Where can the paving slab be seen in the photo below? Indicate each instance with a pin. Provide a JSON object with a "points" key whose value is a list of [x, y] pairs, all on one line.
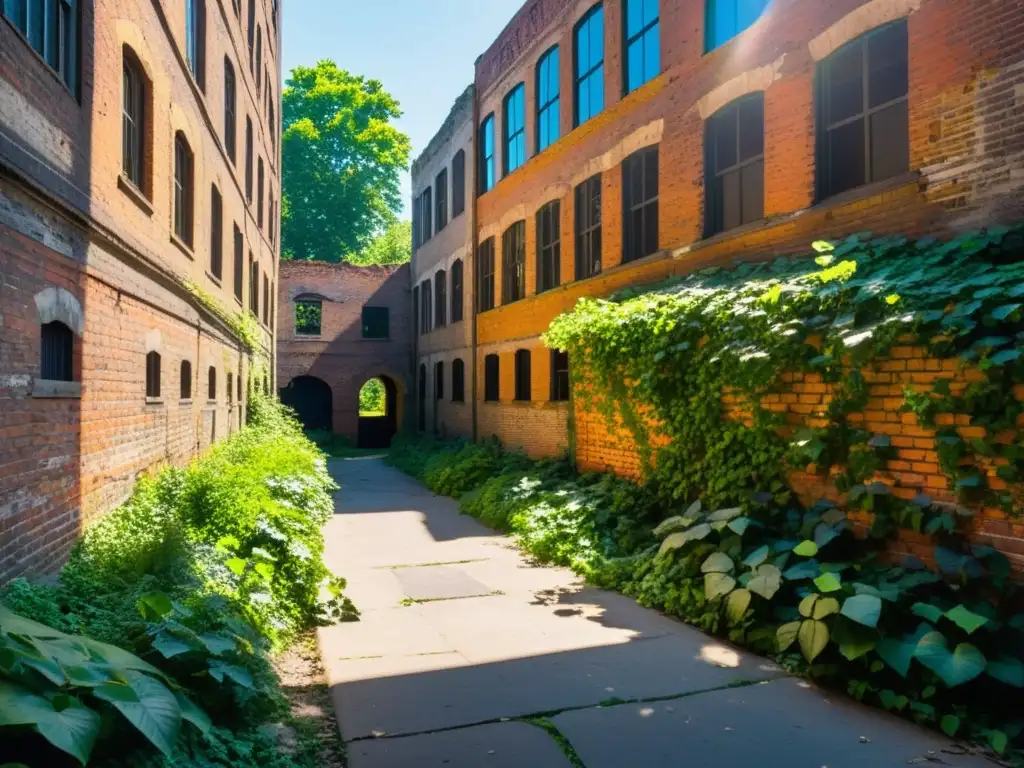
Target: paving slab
{"points": [[497, 745], [439, 582], [782, 723]]}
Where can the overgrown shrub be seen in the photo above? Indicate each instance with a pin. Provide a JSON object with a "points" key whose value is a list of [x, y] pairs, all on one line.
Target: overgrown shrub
{"points": [[169, 608]]}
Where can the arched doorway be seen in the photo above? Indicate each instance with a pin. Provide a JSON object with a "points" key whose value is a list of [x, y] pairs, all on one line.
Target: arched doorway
{"points": [[312, 400], [378, 413]]}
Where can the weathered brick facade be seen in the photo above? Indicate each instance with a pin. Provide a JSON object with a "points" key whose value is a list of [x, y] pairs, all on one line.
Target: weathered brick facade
{"points": [[339, 355], [81, 245]]}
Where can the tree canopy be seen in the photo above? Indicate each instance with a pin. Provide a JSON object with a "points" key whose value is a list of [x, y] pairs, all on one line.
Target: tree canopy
{"points": [[341, 158], [393, 246]]}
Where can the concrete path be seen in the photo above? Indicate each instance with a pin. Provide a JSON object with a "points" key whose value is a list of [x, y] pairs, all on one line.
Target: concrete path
{"points": [[467, 655]]}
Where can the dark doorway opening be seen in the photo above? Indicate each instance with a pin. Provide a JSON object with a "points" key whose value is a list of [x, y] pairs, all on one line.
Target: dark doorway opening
{"points": [[421, 400], [312, 401], [378, 413]]}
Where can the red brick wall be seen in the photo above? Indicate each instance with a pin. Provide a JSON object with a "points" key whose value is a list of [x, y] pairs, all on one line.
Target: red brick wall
{"points": [[966, 139], [340, 356]]}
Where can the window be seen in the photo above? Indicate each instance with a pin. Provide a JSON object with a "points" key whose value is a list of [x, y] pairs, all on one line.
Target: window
{"points": [[186, 380], [863, 124], [254, 286], [485, 276], [416, 310], [440, 299], [230, 109], [427, 215], [259, 193], [266, 299], [485, 173], [427, 310], [734, 176], [589, 75], [439, 380], [259, 58], [248, 159], [273, 125], [183, 191], [230, 389], [195, 39], [727, 18], [548, 100], [153, 374], [515, 129], [239, 263], [491, 388], [251, 30], [643, 44], [522, 375], [211, 384], [588, 228], [458, 183], [457, 291], [56, 348], [133, 120], [441, 190], [376, 323], [216, 232], [51, 27], [549, 250], [239, 388], [559, 375], [640, 204], [417, 240], [458, 381], [513, 263]]}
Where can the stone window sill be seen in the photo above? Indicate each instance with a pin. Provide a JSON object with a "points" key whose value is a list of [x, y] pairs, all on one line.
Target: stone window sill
{"points": [[154, 400], [135, 194], [51, 389], [213, 278], [183, 246], [185, 401]]}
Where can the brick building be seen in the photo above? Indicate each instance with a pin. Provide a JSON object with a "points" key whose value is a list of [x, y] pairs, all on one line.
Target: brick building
{"points": [[339, 327], [139, 207], [443, 291], [626, 141]]}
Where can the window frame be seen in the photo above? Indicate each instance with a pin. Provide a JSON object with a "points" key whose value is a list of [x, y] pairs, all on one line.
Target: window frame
{"points": [[713, 41], [248, 159], [549, 251], [230, 110], [630, 208], [56, 39], [486, 175], [561, 387], [184, 190], [579, 79], [368, 323], [441, 200], [458, 290], [306, 328], [485, 269], [134, 168], [458, 380], [438, 381], [513, 263], [715, 204], [492, 378], [588, 232], [260, 180], [56, 352], [153, 375], [440, 299], [523, 376], [427, 306], [239, 265], [185, 380], [548, 106], [195, 40], [216, 233], [458, 184], [513, 110], [211, 384], [639, 38]]}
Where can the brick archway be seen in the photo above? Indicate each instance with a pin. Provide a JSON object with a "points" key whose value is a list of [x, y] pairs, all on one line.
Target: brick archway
{"points": [[377, 432], [312, 400]]}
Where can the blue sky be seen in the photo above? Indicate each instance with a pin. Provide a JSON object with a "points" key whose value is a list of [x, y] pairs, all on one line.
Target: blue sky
{"points": [[421, 50]]}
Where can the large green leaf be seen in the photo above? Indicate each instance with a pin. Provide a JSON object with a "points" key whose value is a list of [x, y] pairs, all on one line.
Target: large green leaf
{"points": [[62, 721], [961, 666], [854, 640], [863, 609], [950, 724], [154, 606], [967, 620], [148, 705], [169, 646], [219, 670], [718, 562], [806, 549], [926, 611], [117, 658], [736, 605], [813, 637], [676, 540], [766, 582], [218, 644], [757, 557], [725, 515], [193, 714], [718, 584], [786, 635], [809, 569], [670, 525], [828, 582], [12, 623], [1006, 669]]}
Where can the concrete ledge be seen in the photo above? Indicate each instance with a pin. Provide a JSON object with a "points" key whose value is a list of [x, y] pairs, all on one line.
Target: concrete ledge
{"points": [[48, 388]]}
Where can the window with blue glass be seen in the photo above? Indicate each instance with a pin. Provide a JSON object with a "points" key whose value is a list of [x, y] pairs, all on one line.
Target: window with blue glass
{"points": [[548, 101], [486, 159], [515, 129], [643, 44], [727, 18], [589, 74], [51, 27]]}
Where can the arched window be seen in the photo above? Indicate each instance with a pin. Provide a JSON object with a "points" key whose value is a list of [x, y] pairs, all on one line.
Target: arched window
{"points": [[458, 181], [134, 100], [522, 375], [248, 159], [216, 232], [186, 380], [153, 374], [56, 352], [183, 190], [251, 30], [549, 245], [485, 152], [548, 100], [259, 193], [308, 315], [439, 380], [230, 109], [513, 263], [259, 58], [734, 170], [440, 299], [458, 381], [211, 385], [195, 39], [457, 291]]}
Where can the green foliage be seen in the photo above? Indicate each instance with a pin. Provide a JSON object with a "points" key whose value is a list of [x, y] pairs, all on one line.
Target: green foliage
{"points": [[168, 609], [341, 158], [392, 246], [372, 398]]}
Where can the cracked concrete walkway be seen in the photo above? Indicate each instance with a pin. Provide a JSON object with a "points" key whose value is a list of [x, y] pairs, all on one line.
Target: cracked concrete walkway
{"points": [[468, 656]]}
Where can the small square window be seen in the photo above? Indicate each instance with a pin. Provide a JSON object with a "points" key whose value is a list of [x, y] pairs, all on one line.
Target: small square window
{"points": [[375, 323]]}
